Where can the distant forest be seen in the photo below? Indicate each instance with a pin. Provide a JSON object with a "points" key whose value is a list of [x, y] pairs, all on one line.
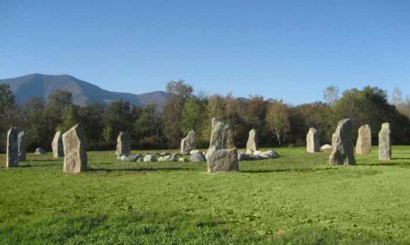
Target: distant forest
{"points": [[162, 127]]}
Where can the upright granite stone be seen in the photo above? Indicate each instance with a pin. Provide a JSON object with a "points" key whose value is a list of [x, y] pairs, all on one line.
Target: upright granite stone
{"points": [[188, 143], [22, 146], [252, 143], [57, 145], [342, 145], [12, 148], [312, 141], [364, 140], [123, 144], [334, 139], [222, 155], [75, 156], [385, 143]]}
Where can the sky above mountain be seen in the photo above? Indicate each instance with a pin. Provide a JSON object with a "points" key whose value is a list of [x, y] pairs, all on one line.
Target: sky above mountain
{"points": [[288, 50]]}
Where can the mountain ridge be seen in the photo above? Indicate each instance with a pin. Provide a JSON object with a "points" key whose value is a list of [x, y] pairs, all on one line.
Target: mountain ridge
{"points": [[84, 93]]}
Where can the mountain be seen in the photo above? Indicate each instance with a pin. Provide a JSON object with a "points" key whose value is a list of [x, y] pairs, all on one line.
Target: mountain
{"points": [[84, 93]]}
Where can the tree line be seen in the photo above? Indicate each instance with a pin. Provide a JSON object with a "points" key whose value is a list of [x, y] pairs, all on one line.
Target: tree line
{"points": [[163, 126]]}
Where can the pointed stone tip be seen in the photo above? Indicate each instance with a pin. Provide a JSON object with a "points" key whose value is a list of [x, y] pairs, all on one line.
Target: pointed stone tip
{"points": [[312, 130]]}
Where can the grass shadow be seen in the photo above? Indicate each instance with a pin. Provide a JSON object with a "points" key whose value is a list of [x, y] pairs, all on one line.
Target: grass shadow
{"points": [[127, 227]]}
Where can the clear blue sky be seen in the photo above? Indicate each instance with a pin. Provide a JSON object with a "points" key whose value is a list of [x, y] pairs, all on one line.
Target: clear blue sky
{"points": [[288, 50]]}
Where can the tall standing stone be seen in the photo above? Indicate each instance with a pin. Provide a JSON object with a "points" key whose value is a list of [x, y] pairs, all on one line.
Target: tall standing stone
{"points": [[12, 148], [342, 144], [364, 140], [252, 143], [384, 143], [57, 145], [75, 156], [123, 144], [312, 141], [334, 139], [188, 143], [222, 155], [22, 146]]}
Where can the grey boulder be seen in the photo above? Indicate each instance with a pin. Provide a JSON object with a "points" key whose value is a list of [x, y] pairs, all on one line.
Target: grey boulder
{"points": [[40, 151], [198, 157], [149, 158]]}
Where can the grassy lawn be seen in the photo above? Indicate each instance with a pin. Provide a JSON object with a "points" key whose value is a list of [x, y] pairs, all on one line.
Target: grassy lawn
{"points": [[296, 199]]}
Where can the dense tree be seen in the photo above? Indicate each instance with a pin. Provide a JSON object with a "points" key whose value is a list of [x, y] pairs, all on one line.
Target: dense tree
{"points": [[57, 106], [91, 118], [317, 115], [277, 118], [216, 107], [179, 93], [6, 98], [148, 127], [162, 126], [117, 115], [8, 113], [193, 115], [236, 111], [107, 134], [255, 115], [39, 130], [370, 106], [68, 119]]}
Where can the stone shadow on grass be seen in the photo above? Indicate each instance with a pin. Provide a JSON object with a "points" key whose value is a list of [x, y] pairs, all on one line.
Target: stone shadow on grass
{"points": [[44, 160], [39, 164], [390, 164], [286, 170], [28, 165], [143, 169]]}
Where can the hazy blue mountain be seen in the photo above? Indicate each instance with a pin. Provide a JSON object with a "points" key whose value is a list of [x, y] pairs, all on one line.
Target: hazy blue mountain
{"points": [[84, 93]]}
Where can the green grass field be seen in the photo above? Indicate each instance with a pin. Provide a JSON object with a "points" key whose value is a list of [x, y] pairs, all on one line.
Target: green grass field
{"points": [[296, 199]]}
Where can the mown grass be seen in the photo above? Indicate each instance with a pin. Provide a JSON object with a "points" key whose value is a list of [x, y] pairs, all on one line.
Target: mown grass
{"points": [[296, 199]]}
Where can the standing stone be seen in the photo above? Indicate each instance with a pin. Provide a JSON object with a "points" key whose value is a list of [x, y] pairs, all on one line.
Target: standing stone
{"points": [[385, 143], [123, 144], [12, 148], [312, 141], [57, 145], [75, 156], [252, 143], [222, 155], [334, 139], [364, 140], [188, 143], [342, 145], [22, 146]]}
